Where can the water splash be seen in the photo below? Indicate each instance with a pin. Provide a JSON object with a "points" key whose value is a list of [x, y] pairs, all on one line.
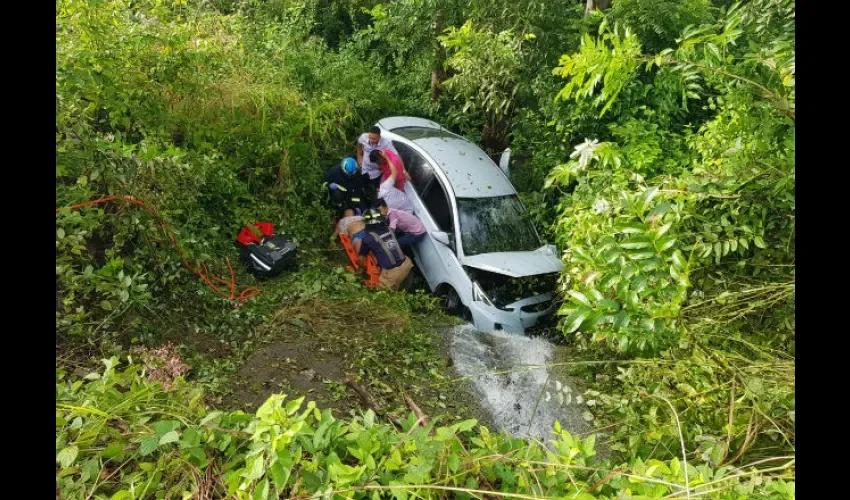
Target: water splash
{"points": [[526, 402]]}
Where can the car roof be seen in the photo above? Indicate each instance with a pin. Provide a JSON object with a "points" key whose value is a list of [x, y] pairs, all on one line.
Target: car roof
{"points": [[471, 173]]}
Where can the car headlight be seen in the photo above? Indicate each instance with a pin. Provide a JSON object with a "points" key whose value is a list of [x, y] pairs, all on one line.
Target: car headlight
{"points": [[479, 295]]}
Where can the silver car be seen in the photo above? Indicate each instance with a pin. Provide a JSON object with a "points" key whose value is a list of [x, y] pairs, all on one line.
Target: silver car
{"points": [[481, 253]]}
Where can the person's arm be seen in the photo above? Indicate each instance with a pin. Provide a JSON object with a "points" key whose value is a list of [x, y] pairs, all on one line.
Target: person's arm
{"points": [[393, 218], [400, 160], [336, 231], [359, 153], [393, 169]]}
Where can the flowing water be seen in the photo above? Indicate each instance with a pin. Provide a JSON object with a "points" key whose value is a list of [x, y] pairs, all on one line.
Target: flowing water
{"points": [[523, 400]]}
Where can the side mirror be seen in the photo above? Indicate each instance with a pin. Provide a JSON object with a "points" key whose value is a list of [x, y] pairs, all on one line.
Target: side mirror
{"points": [[442, 237], [504, 160]]}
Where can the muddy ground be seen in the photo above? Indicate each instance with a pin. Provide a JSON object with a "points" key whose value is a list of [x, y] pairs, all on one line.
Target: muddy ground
{"points": [[309, 350]]}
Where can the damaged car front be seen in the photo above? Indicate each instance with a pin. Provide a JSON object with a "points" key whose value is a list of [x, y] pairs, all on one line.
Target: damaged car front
{"points": [[509, 303], [513, 274]]}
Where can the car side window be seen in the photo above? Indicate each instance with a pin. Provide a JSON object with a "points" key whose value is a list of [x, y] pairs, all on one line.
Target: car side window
{"points": [[437, 203], [421, 172]]}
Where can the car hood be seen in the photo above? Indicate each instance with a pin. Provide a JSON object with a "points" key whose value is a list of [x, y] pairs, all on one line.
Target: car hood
{"points": [[517, 264]]}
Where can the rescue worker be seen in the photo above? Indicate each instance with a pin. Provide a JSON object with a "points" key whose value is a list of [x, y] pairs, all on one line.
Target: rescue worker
{"points": [[378, 239], [345, 187]]}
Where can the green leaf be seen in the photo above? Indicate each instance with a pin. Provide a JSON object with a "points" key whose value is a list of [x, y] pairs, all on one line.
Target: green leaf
{"points": [[675, 467], [163, 427], [744, 243], [659, 210], [466, 425], [675, 274], [636, 242], [294, 405], [112, 450], [649, 194], [663, 229], [280, 474], [632, 299], [642, 255], [665, 243], [121, 495], [261, 492], [210, 416], [609, 305], [639, 284], [609, 281], [759, 242], [679, 259], [596, 294], [255, 468], [631, 227], [575, 319], [650, 265], [148, 444], [580, 297], [169, 437], [454, 463], [67, 456]]}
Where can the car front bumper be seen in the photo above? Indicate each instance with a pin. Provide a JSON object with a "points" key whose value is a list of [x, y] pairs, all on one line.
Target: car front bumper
{"points": [[525, 314]]}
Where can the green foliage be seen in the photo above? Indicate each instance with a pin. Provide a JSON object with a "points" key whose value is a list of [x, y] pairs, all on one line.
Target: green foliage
{"points": [[681, 242], [486, 68], [658, 23], [120, 436], [210, 119], [610, 59]]}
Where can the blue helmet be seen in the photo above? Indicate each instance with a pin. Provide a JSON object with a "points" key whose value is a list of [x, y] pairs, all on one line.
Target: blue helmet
{"points": [[349, 165]]}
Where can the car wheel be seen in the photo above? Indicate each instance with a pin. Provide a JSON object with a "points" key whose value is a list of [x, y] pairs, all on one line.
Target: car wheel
{"points": [[452, 304], [451, 301]]}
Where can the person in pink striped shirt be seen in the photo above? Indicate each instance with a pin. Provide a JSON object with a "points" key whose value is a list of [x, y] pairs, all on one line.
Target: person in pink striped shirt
{"points": [[406, 226], [382, 158]]}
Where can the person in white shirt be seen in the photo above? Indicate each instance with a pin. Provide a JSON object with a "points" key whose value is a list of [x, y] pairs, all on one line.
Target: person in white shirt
{"points": [[366, 143], [392, 196]]}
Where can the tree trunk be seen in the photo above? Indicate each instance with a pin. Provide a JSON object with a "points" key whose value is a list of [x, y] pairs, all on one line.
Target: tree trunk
{"points": [[437, 74], [592, 5]]}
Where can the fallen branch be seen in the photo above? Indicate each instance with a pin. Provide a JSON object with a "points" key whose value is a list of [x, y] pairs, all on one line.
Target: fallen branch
{"points": [[370, 401], [416, 410], [605, 479]]}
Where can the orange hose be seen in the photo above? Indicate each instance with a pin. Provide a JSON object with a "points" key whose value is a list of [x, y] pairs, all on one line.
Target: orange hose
{"points": [[247, 293]]}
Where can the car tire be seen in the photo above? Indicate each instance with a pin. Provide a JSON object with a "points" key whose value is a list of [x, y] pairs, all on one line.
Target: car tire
{"points": [[451, 302]]}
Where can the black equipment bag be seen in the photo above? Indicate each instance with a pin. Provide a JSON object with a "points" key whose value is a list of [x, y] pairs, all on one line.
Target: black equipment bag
{"points": [[269, 258]]}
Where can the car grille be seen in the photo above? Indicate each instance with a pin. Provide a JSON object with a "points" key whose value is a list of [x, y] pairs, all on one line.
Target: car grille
{"points": [[536, 308]]}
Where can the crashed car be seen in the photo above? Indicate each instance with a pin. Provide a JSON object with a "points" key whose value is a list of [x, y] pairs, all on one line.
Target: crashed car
{"points": [[481, 254]]}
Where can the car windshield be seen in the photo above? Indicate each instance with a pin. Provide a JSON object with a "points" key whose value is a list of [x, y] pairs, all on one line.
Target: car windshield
{"points": [[498, 224]]}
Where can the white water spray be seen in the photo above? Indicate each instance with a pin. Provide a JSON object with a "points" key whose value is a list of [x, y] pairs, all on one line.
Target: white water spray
{"points": [[523, 400]]}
